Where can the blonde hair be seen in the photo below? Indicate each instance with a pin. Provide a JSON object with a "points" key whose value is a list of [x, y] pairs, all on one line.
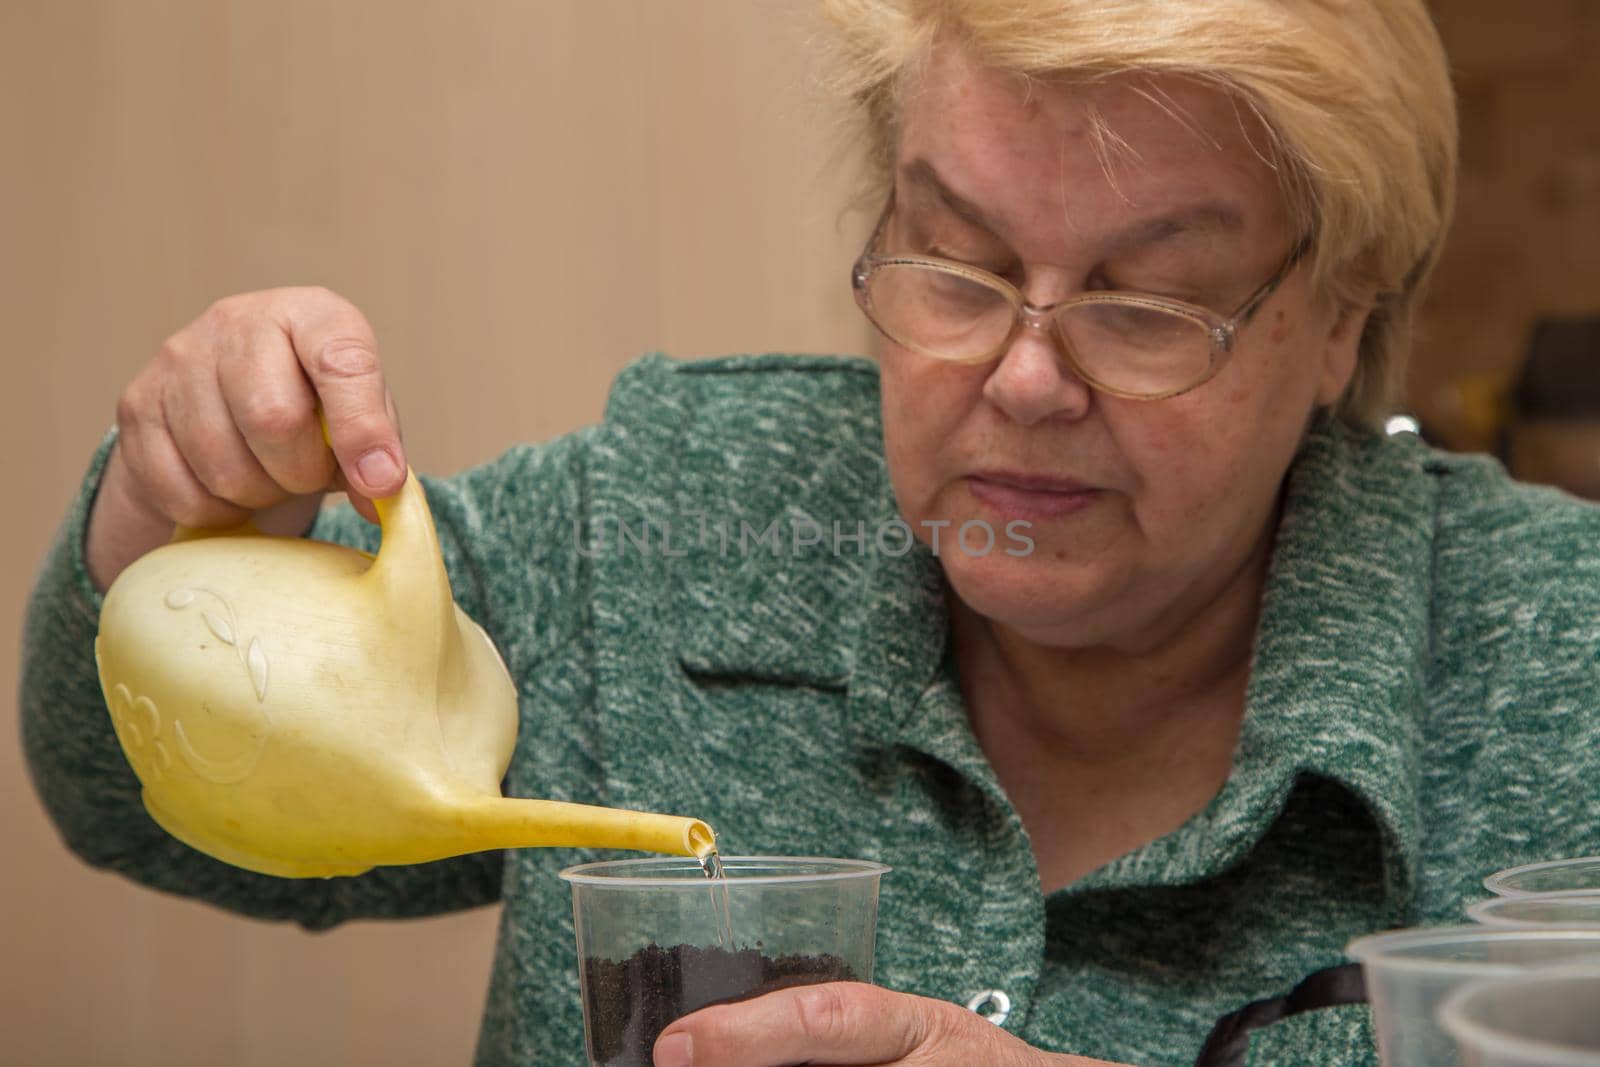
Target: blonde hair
{"points": [[1355, 95]]}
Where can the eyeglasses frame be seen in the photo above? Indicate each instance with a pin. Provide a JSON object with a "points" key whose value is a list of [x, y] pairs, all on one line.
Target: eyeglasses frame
{"points": [[1222, 329]]}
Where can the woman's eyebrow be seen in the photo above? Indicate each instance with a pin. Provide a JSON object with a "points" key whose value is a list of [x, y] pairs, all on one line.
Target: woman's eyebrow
{"points": [[920, 172], [1204, 217]]}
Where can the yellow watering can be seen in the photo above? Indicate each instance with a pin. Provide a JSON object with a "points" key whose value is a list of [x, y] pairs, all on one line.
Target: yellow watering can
{"points": [[303, 709]]}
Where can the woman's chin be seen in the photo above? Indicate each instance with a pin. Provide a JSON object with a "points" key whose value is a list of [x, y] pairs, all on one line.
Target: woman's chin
{"points": [[1049, 601]]}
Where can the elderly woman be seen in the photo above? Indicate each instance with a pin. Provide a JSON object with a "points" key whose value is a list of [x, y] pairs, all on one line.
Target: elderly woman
{"points": [[1189, 676]]}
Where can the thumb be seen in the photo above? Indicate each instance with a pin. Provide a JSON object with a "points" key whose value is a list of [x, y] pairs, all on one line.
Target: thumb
{"points": [[339, 354]]}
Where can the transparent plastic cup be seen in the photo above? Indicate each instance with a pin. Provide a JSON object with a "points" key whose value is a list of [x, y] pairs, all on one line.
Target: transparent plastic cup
{"points": [[657, 939], [1410, 972], [1545, 1018], [1580, 874], [1557, 910]]}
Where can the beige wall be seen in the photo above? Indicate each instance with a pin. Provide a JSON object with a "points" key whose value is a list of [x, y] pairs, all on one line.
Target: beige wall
{"points": [[522, 196]]}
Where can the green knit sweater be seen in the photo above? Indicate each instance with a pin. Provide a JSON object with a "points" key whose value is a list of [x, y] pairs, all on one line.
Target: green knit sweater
{"points": [[1421, 712]]}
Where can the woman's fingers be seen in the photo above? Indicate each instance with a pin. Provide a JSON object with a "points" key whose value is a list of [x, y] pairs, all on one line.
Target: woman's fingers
{"points": [[832, 1023], [167, 484], [269, 399], [843, 1023], [226, 417], [337, 351], [199, 424], [222, 423]]}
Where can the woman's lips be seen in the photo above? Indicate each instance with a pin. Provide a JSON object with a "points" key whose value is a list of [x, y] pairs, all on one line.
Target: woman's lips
{"points": [[1021, 496]]}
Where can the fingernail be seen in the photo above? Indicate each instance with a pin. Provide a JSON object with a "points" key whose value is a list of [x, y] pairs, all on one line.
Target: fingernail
{"points": [[378, 469], [675, 1050]]}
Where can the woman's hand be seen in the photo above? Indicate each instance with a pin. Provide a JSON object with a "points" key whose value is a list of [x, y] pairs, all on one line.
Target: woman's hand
{"points": [[222, 425], [845, 1023]]}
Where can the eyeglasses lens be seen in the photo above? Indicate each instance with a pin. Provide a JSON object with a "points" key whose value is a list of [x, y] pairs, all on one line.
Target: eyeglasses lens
{"points": [[1130, 348]]}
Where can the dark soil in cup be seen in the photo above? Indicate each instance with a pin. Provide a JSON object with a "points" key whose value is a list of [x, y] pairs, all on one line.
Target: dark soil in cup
{"points": [[631, 1002]]}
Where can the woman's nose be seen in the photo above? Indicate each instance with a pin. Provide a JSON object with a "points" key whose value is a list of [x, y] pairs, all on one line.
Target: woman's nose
{"points": [[1032, 380]]}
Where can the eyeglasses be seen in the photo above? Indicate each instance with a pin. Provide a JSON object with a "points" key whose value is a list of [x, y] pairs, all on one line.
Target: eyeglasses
{"points": [[1126, 344]]}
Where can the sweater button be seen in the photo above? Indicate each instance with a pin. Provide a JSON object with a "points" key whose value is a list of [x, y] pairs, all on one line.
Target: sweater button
{"points": [[997, 1003]]}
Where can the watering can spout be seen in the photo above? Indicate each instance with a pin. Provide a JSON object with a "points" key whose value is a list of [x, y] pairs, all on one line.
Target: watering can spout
{"points": [[514, 823], [303, 709]]}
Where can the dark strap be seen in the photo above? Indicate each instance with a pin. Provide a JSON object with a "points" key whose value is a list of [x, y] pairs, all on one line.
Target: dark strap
{"points": [[1230, 1038]]}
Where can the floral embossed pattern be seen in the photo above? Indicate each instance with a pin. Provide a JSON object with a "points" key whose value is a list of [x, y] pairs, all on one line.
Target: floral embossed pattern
{"points": [[138, 724]]}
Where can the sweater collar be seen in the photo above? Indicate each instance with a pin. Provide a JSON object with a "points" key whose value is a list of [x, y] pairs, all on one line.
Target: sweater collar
{"points": [[1338, 673], [1345, 639]]}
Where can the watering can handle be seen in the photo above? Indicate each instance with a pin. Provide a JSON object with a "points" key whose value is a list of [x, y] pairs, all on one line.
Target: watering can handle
{"points": [[408, 566]]}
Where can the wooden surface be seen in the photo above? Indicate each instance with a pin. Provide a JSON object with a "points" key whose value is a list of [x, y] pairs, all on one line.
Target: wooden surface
{"points": [[523, 196]]}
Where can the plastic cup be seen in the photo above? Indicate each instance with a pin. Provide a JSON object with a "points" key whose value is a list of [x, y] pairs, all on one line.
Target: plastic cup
{"points": [[1557, 910], [1410, 972], [1545, 1018], [1580, 874], [657, 939]]}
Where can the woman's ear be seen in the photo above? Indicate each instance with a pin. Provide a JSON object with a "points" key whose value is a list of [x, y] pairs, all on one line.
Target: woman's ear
{"points": [[1341, 349]]}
